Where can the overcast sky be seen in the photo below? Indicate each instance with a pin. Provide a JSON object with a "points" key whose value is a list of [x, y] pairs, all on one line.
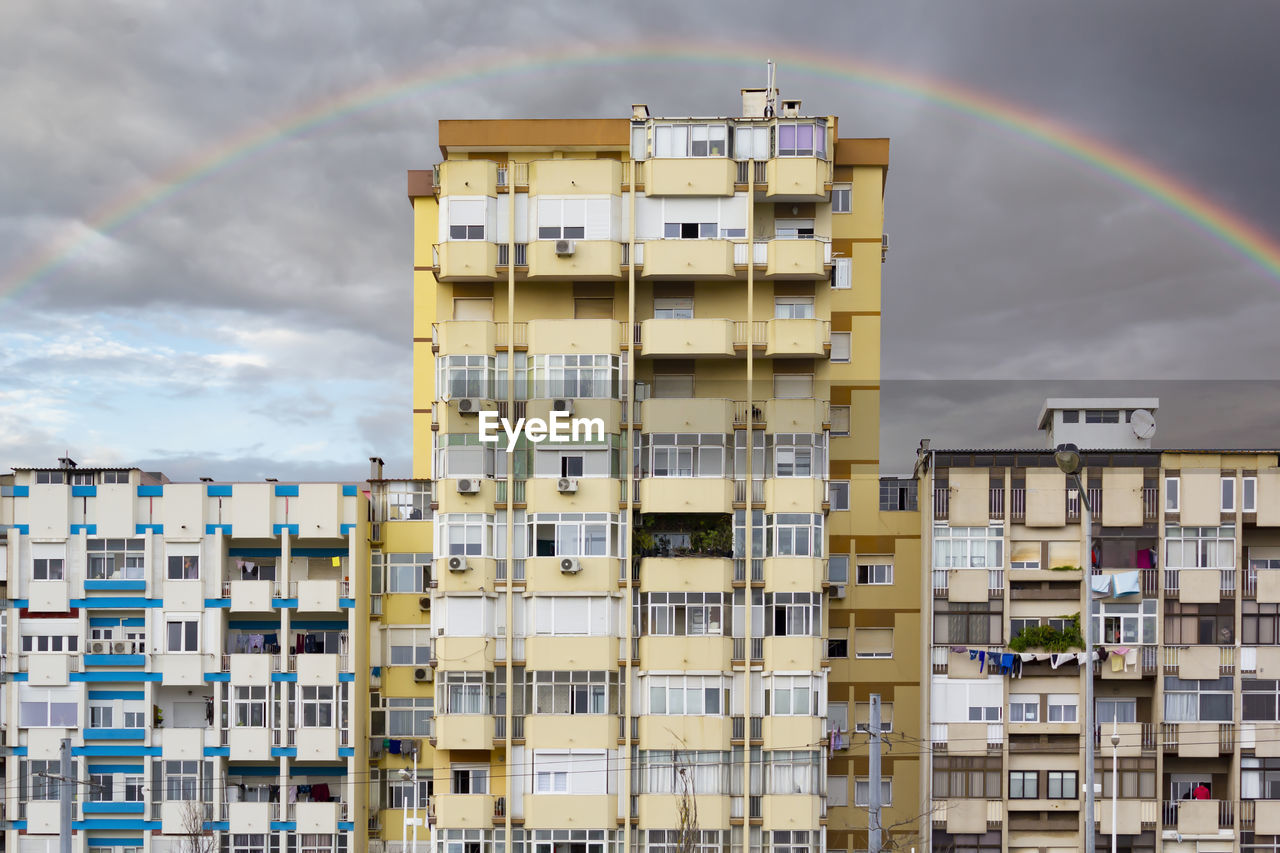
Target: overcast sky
{"points": [[256, 322]]}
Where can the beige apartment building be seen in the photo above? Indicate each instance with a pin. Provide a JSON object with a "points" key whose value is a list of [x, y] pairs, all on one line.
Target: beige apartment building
{"points": [[1179, 584], [667, 637]]}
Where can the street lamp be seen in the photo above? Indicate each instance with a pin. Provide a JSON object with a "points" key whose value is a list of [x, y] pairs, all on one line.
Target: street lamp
{"points": [[1115, 772], [412, 777], [1067, 457]]}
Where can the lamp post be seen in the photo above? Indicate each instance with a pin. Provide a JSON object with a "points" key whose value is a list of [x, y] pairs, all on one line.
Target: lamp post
{"points": [[1115, 774], [414, 821], [1067, 457]]}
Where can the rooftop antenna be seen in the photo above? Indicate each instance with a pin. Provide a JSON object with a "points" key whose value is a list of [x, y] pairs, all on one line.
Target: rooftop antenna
{"points": [[770, 89]]}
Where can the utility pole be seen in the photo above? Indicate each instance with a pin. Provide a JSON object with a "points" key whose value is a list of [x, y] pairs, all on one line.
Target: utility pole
{"points": [[66, 790], [873, 794]]}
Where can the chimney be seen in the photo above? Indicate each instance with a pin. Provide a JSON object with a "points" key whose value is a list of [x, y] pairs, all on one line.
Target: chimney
{"points": [[375, 467], [66, 462], [753, 103], [639, 112]]}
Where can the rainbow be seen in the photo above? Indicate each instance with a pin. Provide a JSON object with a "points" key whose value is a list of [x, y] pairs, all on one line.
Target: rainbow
{"points": [[1192, 205]]}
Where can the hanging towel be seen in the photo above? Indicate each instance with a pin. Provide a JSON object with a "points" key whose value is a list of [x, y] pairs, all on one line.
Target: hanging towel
{"points": [[982, 657], [1006, 661], [310, 646], [1120, 650], [271, 639], [1101, 585], [256, 644], [320, 793], [1056, 661], [300, 640], [1041, 656], [1117, 663], [1128, 583], [1131, 659], [274, 794], [1095, 555], [1027, 656], [960, 650], [293, 793], [1143, 560], [973, 654]]}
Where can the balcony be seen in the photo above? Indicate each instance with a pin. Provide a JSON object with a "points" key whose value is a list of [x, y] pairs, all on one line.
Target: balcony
{"points": [[464, 731], [555, 811], [253, 818], [783, 415], [467, 177], [684, 535], [687, 338], [686, 494], [467, 260], [321, 595], [1199, 662], [688, 259], [590, 260], [600, 176], [691, 654], [1132, 816], [702, 176], [1135, 738], [798, 179], [1200, 586], [1260, 816], [1197, 740], [318, 817], [465, 337], [967, 817], [1198, 817], [465, 811], [799, 338], [798, 260], [967, 738]]}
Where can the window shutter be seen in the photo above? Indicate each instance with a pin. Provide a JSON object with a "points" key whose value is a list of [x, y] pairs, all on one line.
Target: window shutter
{"points": [[598, 220], [868, 641], [843, 273], [841, 346]]}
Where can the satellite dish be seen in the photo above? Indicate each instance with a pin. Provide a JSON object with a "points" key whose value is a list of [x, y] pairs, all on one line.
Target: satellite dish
{"points": [[1143, 424]]}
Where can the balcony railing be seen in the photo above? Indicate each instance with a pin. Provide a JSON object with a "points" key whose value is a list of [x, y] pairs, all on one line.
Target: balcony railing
{"points": [[275, 663], [1226, 659], [1226, 582], [941, 502], [757, 250], [995, 582], [1018, 504], [1226, 813], [344, 587], [518, 492], [995, 500], [1102, 733], [740, 491], [755, 333], [273, 809], [940, 736], [503, 338], [227, 581], [522, 254], [742, 410], [1171, 736], [1150, 506], [292, 810], [740, 570], [517, 570], [1095, 502], [1073, 504]]}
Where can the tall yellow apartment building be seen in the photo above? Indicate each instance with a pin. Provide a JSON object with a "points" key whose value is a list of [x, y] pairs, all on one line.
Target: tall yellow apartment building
{"points": [[612, 632]]}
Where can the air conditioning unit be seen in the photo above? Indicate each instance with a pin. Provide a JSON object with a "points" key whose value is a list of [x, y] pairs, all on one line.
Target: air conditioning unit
{"points": [[458, 563], [469, 405], [562, 405], [837, 590], [468, 487], [424, 603], [564, 247], [567, 485], [570, 565], [98, 647], [421, 674], [642, 391], [120, 647]]}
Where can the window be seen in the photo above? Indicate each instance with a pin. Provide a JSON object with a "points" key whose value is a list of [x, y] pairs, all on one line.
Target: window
{"points": [[181, 780], [1130, 624], [574, 692], [1171, 494], [410, 646], [472, 308], [840, 421], [316, 701], [183, 635], [249, 706], [841, 198], [862, 716], [873, 642], [101, 787], [408, 572], [837, 790], [1193, 701], [1024, 784], [792, 841], [968, 547], [570, 771], [682, 455], [100, 716], [571, 465], [842, 273], [1117, 710], [956, 623], [673, 308], [257, 569], [115, 558], [791, 696], [464, 375], [791, 771], [1204, 624], [401, 795], [1024, 708], [48, 569], [1102, 416], [562, 218], [34, 782], [793, 614], [793, 461], [1062, 785], [862, 791], [690, 140], [802, 139], [593, 308], [838, 495], [976, 778], [682, 614], [1071, 416], [1228, 494], [841, 347], [572, 615], [1200, 547], [410, 717], [875, 572], [793, 229], [1017, 626], [573, 534], [466, 218], [690, 230], [794, 534], [184, 568], [1260, 625], [470, 780], [793, 307], [838, 568], [706, 771], [752, 141], [1259, 778], [465, 533], [57, 643], [1249, 494], [896, 494], [838, 643], [1063, 707], [50, 478], [582, 376], [666, 385]]}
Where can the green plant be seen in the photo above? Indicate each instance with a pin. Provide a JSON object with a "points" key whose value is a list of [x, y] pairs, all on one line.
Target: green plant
{"points": [[1048, 638]]}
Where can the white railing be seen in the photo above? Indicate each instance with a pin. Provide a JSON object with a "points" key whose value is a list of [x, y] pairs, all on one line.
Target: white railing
{"points": [[995, 582]]}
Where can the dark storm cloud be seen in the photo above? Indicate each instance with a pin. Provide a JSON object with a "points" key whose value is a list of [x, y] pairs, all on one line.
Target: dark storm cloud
{"points": [[1008, 260]]}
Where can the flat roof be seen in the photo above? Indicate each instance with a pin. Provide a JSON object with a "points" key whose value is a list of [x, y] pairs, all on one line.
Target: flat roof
{"points": [[1053, 404]]}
